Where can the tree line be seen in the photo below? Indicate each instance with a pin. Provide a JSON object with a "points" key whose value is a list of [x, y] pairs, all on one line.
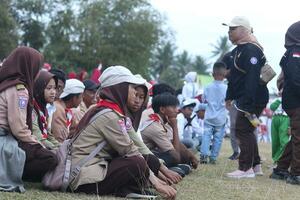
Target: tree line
{"points": [[74, 34]]}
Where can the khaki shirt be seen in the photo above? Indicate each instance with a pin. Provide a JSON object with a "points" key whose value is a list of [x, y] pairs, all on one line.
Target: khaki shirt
{"points": [[49, 142], [158, 136], [13, 112], [59, 122], [110, 127], [79, 111]]}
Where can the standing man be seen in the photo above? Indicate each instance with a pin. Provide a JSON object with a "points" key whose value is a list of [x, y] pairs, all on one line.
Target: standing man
{"points": [[249, 95], [290, 64]]}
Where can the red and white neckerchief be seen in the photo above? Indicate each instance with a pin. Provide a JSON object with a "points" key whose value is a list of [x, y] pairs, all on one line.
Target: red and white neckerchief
{"points": [[43, 120], [69, 116], [154, 117]]}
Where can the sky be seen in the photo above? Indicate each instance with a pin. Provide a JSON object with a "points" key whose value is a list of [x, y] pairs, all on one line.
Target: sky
{"points": [[197, 24]]}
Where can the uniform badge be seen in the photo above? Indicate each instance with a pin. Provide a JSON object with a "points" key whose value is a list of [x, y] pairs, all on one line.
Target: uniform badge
{"points": [[122, 126], [23, 102], [128, 123], [253, 60], [296, 55]]}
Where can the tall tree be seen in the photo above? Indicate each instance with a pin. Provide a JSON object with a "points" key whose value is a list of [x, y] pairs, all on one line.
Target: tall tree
{"points": [[8, 30], [29, 14], [183, 63], [118, 32], [61, 49], [200, 65], [222, 46], [163, 59]]}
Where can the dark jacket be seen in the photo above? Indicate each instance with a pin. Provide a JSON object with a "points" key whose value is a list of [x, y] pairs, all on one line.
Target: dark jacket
{"points": [[290, 64], [244, 85]]}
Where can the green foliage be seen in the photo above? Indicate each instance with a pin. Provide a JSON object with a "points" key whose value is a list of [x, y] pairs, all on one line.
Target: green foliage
{"points": [[76, 34], [221, 48], [8, 30], [120, 32]]}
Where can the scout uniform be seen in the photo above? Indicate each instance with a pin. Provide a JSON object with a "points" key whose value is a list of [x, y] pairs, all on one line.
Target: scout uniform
{"points": [[157, 136], [13, 102], [47, 139], [79, 111], [110, 126], [62, 121]]}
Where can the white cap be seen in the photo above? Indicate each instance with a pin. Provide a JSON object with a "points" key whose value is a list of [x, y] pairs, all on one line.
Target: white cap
{"points": [[73, 86], [148, 85], [239, 21], [189, 102], [118, 74]]}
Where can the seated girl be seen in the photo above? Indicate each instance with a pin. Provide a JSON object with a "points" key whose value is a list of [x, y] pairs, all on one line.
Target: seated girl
{"points": [[119, 168], [44, 92]]}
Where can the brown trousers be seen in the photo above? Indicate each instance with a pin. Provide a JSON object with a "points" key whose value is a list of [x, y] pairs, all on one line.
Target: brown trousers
{"points": [[124, 175], [291, 155], [38, 161], [249, 156]]}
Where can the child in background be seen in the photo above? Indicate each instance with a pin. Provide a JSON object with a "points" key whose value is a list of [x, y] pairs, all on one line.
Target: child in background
{"points": [[215, 115], [279, 128]]}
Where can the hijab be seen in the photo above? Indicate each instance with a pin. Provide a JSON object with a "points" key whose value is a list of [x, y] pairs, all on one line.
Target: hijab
{"points": [[40, 85], [136, 116], [116, 94], [292, 36], [21, 67]]}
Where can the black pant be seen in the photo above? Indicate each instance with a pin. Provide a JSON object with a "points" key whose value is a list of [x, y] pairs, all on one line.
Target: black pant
{"points": [[38, 161], [124, 175], [153, 163], [249, 156]]}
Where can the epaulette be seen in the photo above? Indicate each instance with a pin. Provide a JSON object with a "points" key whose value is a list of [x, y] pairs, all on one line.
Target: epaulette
{"points": [[20, 87]]}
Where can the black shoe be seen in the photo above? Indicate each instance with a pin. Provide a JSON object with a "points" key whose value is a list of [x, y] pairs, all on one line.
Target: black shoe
{"points": [[203, 159], [279, 174], [292, 179], [185, 167], [234, 156], [178, 170]]}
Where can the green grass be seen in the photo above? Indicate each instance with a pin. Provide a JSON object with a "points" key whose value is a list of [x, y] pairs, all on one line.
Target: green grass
{"points": [[207, 182]]}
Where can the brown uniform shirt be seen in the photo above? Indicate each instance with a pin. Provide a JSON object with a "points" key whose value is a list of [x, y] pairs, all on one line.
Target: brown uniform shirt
{"points": [[110, 127], [59, 122], [79, 111], [158, 136], [13, 113]]}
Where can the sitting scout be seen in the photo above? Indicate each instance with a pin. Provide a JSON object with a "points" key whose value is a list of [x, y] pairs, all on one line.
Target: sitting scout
{"points": [[21, 155], [118, 168], [63, 118], [160, 132], [44, 92]]}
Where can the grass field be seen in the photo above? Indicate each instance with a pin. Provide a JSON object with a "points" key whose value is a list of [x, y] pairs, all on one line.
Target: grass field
{"points": [[207, 182]]}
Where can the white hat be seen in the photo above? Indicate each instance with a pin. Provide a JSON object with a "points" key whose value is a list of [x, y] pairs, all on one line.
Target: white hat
{"points": [[73, 86], [148, 85], [239, 21], [118, 74], [189, 102]]}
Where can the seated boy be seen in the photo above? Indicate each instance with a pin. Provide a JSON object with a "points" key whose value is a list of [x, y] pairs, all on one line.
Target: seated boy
{"points": [[188, 127], [160, 132]]}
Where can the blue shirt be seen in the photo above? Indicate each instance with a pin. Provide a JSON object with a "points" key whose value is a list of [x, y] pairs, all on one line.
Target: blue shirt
{"points": [[214, 95]]}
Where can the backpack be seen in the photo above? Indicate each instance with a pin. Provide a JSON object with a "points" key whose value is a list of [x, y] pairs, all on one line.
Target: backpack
{"points": [[59, 178]]}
